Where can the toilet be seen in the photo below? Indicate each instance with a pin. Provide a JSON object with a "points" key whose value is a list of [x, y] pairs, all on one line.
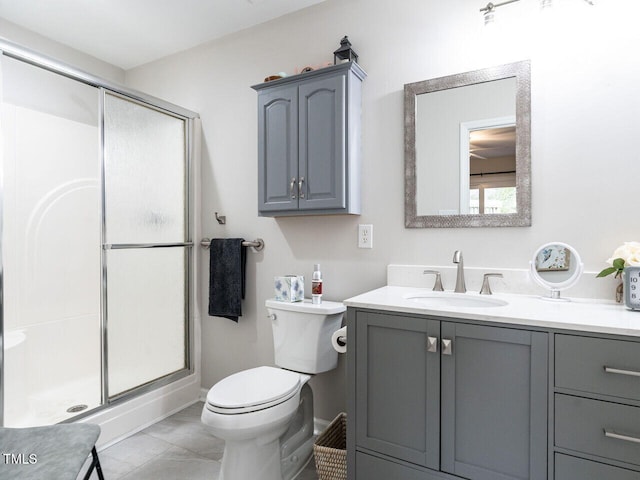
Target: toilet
{"points": [[265, 414]]}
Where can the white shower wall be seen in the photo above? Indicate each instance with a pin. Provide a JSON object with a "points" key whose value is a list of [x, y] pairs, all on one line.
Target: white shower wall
{"points": [[51, 256]]}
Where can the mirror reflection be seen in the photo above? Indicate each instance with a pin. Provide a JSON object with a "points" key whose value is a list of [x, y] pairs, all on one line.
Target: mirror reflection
{"points": [[492, 166], [453, 128], [556, 266], [467, 149]]}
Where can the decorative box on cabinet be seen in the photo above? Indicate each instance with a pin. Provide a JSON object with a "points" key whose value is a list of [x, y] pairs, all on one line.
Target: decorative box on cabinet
{"points": [[439, 399], [309, 142]]}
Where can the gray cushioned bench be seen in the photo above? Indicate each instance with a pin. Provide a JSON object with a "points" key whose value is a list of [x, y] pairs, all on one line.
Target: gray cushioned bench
{"points": [[46, 453]]}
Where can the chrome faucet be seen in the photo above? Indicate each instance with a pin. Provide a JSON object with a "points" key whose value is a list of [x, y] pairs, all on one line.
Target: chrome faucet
{"points": [[460, 286], [437, 286]]}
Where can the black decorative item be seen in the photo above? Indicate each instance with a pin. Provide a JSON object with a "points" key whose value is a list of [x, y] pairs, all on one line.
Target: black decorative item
{"points": [[345, 52]]}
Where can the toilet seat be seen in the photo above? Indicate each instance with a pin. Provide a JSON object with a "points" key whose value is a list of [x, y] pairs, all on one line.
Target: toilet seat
{"points": [[251, 390]]}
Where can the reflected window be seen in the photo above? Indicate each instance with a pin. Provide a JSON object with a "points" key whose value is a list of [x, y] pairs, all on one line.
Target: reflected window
{"points": [[486, 199], [492, 164]]}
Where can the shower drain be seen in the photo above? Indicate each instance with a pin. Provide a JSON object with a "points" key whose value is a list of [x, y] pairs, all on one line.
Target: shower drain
{"points": [[77, 408]]}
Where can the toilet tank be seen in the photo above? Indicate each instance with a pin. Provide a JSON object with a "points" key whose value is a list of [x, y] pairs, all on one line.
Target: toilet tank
{"points": [[302, 334]]}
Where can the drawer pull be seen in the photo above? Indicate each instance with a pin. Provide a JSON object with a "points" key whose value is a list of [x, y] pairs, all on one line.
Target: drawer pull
{"points": [[619, 371], [619, 436]]}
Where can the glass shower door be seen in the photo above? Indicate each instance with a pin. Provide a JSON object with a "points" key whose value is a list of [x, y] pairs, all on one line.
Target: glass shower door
{"points": [[146, 244], [51, 217], [95, 241]]}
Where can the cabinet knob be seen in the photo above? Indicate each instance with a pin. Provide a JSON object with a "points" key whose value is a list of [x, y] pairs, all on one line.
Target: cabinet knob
{"points": [[300, 190], [447, 346], [432, 344], [292, 186]]}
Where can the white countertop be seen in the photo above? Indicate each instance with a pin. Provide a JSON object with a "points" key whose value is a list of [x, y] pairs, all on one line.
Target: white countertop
{"points": [[578, 314]]}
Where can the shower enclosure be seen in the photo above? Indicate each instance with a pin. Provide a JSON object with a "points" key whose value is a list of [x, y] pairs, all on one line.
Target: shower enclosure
{"points": [[96, 221]]}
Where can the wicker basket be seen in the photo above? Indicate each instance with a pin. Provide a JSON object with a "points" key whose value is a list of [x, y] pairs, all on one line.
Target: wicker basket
{"points": [[330, 450]]}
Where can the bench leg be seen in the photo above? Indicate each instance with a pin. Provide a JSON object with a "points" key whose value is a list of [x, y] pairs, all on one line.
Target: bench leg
{"points": [[95, 463]]}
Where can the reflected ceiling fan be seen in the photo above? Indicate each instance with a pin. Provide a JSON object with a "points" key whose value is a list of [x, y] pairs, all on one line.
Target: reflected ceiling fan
{"points": [[492, 142], [475, 155]]}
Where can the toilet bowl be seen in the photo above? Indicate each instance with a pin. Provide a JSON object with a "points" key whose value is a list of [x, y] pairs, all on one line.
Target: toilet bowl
{"points": [[265, 414]]}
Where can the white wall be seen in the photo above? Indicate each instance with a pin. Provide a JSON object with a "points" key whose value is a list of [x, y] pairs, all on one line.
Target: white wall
{"points": [[585, 104], [43, 45]]}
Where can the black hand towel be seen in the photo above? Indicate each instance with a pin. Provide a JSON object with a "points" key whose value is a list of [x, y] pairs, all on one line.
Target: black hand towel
{"points": [[227, 262]]}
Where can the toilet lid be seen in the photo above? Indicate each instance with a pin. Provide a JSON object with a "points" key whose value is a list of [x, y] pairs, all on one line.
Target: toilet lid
{"points": [[252, 389]]}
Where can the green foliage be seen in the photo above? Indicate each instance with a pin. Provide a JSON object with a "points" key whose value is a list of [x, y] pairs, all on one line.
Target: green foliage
{"points": [[617, 268]]}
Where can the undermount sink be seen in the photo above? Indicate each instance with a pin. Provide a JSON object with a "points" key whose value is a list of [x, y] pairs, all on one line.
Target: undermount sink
{"points": [[445, 299]]}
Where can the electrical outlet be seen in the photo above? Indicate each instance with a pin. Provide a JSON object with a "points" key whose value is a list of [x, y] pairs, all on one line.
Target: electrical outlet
{"points": [[365, 236]]}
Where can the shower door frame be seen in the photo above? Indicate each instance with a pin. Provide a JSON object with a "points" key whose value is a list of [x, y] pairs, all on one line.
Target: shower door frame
{"points": [[17, 52]]}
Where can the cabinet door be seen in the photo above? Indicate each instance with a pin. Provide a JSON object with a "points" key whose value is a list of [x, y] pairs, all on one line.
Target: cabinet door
{"points": [[322, 150], [278, 149], [494, 403], [397, 387]]}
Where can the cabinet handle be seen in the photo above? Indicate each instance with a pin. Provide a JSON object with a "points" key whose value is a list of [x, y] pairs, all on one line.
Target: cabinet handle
{"points": [[432, 344], [292, 186], [447, 346], [300, 190], [619, 371], [619, 436]]}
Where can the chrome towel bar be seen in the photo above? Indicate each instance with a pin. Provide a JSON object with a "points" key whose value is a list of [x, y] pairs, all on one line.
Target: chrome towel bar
{"points": [[258, 243]]}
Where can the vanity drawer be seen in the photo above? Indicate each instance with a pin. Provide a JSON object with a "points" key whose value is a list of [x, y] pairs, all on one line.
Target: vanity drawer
{"points": [[581, 363], [605, 429], [572, 468]]}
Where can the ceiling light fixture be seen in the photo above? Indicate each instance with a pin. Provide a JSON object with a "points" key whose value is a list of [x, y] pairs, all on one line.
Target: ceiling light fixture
{"points": [[490, 10]]}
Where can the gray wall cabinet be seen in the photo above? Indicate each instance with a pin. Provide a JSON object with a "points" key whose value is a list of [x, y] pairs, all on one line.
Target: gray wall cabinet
{"points": [[309, 142], [436, 399]]}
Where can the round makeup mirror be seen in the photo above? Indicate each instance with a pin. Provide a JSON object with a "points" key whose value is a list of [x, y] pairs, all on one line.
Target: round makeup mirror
{"points": [[556, 266]]}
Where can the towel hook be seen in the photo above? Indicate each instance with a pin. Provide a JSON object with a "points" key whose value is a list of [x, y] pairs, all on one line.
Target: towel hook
{"points": [[222, 219]]}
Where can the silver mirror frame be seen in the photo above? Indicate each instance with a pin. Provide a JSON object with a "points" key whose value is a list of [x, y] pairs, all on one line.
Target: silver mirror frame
{"points": [[522, 72]]}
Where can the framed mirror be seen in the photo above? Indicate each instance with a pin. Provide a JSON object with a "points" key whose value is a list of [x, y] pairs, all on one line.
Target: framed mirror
{"points": [[556, 266], [468, 149]]}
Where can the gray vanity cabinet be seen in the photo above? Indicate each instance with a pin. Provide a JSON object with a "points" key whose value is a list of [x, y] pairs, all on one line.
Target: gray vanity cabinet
{"points": [[398, 387], [439, 399], [494, 403], [309, 142], [596, 408]]}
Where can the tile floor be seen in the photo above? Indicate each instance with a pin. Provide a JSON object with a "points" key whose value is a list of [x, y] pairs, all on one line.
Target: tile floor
{"points": [[177, 448]]}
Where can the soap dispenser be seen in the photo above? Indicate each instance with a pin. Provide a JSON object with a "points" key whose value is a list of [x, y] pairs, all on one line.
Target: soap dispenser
{"points": [[316, 285]]}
